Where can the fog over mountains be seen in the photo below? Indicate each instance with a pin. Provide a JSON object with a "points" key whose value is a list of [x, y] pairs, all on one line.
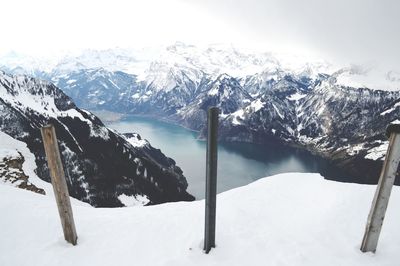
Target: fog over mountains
{"points": [[337, 112]]}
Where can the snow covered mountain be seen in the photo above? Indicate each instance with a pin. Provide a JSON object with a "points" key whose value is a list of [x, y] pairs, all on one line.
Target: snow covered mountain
{"points": [[100, 164], [314, 112], [263, 97], [346, 125], [95, 88]]}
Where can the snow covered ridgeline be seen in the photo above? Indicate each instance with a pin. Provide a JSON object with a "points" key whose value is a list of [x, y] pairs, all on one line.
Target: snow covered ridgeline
{"points": [[174, 81], [287, 219], [17, 166], [100, 164], [262, 97]]}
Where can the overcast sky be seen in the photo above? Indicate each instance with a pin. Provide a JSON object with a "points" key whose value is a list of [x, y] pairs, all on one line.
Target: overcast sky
{"points": [[357, 31]]}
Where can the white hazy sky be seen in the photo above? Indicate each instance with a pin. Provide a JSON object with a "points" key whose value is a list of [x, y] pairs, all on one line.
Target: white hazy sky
{"points": [[357, 31]]}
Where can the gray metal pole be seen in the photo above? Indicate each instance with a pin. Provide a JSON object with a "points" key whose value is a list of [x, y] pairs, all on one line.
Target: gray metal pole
{"points": [[211, 179], [382, 194], [59, 184]]}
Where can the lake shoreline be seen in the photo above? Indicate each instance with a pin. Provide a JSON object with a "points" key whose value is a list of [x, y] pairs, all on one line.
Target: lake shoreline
{"points": [[339, 168], [239, 163]]}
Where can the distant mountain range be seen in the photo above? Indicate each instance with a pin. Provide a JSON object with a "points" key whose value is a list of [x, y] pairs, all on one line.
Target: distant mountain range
{"points": [[263, 97], [100, 164]]}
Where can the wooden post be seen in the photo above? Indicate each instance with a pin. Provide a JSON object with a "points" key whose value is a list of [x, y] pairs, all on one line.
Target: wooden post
{"points": [[211, 179], [59, 184], [382, 194]]}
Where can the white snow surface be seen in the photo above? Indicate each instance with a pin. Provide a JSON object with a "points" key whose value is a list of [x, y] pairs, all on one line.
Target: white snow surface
{"points": [[397, 121], [296, 96], [213, 91], [130, 201], [372, 77], [391, 109], [136, 142], [287, 219], [353, 150], [379, 152], [238, 114], [257, 105]]}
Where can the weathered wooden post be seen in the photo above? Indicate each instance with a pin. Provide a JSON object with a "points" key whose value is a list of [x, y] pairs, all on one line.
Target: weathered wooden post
{"points": [[211, 179], [59, 184], [382, 194]]}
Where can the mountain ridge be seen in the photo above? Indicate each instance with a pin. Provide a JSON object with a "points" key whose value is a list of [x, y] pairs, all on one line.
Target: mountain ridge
{"points": [[301, 106], [100, 164]]}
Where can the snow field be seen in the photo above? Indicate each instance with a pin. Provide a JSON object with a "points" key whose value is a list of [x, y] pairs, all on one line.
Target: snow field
{"points": [[286, 219]]}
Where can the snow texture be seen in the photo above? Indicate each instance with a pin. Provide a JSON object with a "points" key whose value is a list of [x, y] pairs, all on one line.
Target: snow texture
{"points": [[129, 201], [379, 152], [296, 96], [137, 141], [287, 219]]}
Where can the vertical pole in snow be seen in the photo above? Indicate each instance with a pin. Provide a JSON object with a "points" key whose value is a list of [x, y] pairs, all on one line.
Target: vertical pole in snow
{"points": [[59, 184], [382, 194], [211, 179]]}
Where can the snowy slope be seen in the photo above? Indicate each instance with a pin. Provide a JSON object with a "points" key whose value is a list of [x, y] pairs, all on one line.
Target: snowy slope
{"points": [[369, 77], [99, 164], [12, 148], [287, 219]]}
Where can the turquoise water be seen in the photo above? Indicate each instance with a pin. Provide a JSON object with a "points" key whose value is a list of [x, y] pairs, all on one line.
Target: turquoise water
{"points": [[238, 163]]}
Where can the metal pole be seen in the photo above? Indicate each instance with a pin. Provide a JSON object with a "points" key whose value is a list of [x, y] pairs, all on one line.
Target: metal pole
{"points": [[211, 179], [59, 184], [382, 194]]}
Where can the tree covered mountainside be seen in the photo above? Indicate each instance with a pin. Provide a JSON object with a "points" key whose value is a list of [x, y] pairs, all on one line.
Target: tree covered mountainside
{"points": [[100, 164]]}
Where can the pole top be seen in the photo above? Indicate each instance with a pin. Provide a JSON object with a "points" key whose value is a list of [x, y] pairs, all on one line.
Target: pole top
{"points": [[213, 109], [48, 126], [392, 128]]}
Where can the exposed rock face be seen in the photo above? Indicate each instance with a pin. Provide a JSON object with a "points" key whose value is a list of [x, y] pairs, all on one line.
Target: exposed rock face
{"points": [[99, 163], [11, 172]]}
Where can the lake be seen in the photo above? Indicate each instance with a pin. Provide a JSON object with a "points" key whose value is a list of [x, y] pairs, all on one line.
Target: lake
{"points": [[238, 163]]}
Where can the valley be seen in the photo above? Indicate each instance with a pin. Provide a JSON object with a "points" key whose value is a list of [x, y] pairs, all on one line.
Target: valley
{"points": [[239, 163], [337, 128]]}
